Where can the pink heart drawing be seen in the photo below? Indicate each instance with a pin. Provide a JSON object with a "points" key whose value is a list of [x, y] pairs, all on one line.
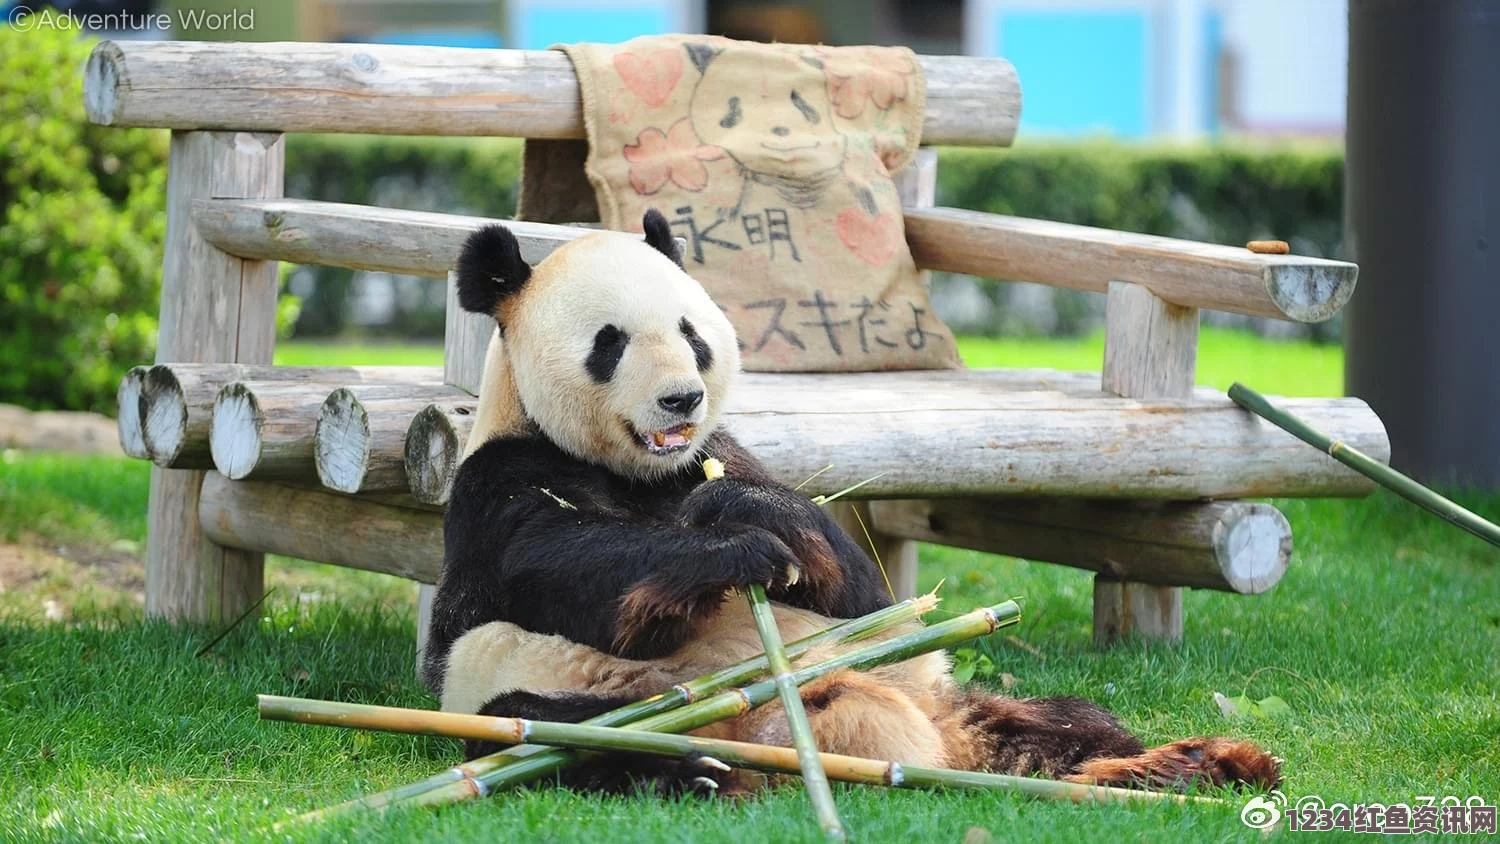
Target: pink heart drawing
{"points": [[874, 240], [652, 75]]}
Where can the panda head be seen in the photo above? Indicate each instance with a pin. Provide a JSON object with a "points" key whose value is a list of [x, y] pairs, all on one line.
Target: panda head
{"points": [[617, 355]]}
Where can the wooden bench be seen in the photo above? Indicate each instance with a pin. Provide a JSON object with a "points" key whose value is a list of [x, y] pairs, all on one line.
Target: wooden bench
{"points": [[1135, 474]]}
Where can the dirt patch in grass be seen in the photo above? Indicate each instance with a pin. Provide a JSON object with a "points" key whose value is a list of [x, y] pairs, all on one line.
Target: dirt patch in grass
{"points": [[56, 582]]}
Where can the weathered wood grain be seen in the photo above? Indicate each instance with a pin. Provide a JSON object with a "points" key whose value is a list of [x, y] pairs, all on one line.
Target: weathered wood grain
{"points": [[214, 307], [1187, 273], [360, 442], [361, 237], [434, 447], [992, 436], [177, 399], [409, 90], [267, 430], [1232, 546], [128, 413], [1183, 272], [1150, 352], [298, 522], [466, 338]]}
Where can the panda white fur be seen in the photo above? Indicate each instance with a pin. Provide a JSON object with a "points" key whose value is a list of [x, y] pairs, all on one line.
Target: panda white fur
{"points": [[588, 563]]}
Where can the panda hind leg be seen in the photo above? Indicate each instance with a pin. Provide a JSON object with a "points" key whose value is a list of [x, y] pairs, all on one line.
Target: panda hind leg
{"points": [[1079, 741], [609, 772], [852, 713]]}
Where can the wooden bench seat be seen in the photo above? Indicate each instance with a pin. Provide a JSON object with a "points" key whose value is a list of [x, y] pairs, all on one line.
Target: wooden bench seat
{"points": [[1122, 472]]}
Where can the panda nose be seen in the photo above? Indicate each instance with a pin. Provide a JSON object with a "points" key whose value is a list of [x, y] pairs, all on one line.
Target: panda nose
{"points": [[682, 403], [780, 131]]}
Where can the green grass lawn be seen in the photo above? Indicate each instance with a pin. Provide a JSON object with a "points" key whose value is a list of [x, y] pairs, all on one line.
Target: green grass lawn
{"points": [[1282, 367], [1383, 639]]}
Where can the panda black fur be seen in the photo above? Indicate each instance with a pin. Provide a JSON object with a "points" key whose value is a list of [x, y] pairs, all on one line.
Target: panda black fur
{"points": [[588, 563]]}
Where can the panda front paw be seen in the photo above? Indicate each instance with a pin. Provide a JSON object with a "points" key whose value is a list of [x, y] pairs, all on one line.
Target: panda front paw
{"points": [[792, 519], [754, 556]]}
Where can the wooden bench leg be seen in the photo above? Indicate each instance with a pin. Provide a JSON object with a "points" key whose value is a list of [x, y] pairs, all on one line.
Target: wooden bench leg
{"points": [[1150, 351], [214, 308]]}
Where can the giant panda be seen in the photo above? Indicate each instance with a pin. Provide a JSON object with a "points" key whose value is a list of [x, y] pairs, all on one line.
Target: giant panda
{"points": [[588, 562]]}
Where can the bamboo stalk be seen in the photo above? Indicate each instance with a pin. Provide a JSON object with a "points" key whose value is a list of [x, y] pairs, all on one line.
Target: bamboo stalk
{"points": [[758, 757], [455, 779], [1362, 463], [480, 777], [811, 764]]}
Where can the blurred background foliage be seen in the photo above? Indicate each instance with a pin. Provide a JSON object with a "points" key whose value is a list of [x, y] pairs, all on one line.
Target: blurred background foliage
{"points": [[81, 228], [83, 225]]}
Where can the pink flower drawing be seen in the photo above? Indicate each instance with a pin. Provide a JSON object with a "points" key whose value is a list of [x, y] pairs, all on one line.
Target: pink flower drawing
{"points": [[676, 156]]}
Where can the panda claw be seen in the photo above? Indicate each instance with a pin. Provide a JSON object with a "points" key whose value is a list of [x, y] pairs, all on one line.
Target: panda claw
{"points": [[711, 762], [705, 783], [793, 574]]}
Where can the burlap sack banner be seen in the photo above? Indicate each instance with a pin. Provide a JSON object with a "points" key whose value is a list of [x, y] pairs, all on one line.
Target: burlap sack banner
{"points": [[774, 163]]}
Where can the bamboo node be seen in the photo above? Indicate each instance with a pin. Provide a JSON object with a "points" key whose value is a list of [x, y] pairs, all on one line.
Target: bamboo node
{"points": [[684, 692], [894, 776], [991, 619]]}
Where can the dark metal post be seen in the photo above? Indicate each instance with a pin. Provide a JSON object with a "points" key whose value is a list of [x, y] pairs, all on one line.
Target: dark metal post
{"points": [[1423, 221]]}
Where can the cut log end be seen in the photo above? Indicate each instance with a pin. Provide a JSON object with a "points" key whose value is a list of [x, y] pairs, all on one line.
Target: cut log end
{"points": [[235, 438], [164, 415], [1253, 547], [128, 415], [432, 455], [101, 83], [342, 442], [1311, 293]]}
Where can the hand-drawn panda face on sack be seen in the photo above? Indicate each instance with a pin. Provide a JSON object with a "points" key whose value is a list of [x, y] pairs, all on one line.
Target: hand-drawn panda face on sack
{"points": [[779, 135], [618, 356]]}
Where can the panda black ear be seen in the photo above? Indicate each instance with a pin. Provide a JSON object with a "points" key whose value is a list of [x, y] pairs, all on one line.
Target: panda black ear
{"points": [[659, 235], [490, 270]]}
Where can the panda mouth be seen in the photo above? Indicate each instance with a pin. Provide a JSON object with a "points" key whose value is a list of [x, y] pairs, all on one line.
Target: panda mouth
{"points": [[666, 441]]}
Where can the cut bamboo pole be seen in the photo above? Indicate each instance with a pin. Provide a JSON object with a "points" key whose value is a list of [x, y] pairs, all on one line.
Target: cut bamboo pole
{"points": [[177, 399], [1362, 463], [266, 430], [736, 702], [809, 762], [846, 632], [485, 775], [757, 757], [128, 413], [360, 440]]}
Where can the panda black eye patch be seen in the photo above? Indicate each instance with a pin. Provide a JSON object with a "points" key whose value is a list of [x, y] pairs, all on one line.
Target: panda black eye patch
{"points": [[806, 108], [701, 352], [609, 347], [731, 119]]}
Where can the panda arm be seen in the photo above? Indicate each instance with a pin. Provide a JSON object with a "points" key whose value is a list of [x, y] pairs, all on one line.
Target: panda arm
{"points": [[838, 578], [565, 559]]}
